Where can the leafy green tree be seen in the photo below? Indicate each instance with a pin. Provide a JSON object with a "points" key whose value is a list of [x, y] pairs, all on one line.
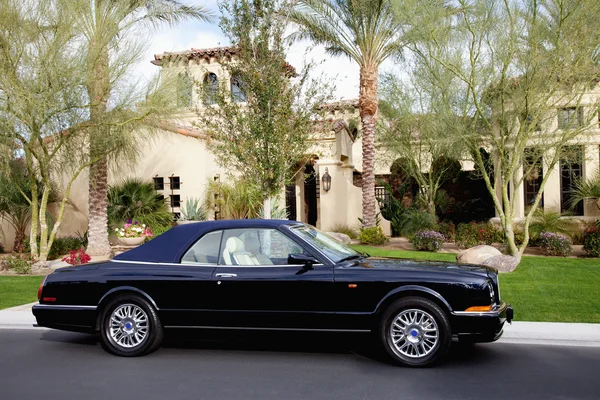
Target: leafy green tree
{"points": [[367, 32], [514, 64], [110, 31], [45, 110], [414, 128], [262, 130]]}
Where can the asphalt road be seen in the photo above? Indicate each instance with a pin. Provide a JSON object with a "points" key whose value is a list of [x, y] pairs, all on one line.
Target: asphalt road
{"points": [[61, 365]]}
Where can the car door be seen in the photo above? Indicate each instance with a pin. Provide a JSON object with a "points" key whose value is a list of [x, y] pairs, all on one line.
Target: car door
{"points": [[186, 289], [256, 286]]}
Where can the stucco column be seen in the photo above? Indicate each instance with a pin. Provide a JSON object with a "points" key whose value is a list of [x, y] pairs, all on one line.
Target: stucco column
{"points": [[591, 167], [552, 187], [333, 204]]}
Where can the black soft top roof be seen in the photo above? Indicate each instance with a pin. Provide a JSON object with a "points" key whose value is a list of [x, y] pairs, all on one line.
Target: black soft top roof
{"points": [[171, 245]]}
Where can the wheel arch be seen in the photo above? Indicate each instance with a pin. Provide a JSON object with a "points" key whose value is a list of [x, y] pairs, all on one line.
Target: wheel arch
{"points": [[416, 291], [117, 291]]}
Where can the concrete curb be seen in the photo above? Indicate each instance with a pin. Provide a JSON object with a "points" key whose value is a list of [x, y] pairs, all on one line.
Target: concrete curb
{"points": [[519, 332]]}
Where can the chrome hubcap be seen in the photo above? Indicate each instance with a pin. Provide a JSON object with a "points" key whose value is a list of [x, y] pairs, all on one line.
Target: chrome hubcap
{"points": [[128, 325], [414, 333]]}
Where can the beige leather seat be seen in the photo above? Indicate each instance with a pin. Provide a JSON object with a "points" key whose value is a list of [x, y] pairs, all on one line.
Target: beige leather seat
{"points": [[235, 254], [253, 246]]}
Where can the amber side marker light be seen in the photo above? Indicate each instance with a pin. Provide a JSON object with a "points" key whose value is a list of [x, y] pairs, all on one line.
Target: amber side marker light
{"points": [[479, 308]]}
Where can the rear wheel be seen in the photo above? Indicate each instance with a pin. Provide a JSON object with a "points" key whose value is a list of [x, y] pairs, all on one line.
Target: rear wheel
{"points": [[130, 327], [415, 332]]}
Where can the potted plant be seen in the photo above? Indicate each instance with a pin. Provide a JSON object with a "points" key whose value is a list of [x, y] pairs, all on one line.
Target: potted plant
{"points": [[132, 233]]}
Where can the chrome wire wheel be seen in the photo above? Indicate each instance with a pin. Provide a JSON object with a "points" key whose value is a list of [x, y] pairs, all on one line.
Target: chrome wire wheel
{"points": [[414, 333], [128, 326]]}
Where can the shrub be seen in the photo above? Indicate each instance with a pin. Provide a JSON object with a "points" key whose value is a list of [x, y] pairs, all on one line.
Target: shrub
{"points": [[448, 229], [550, 221], [473, 234], [1, 248], [373, 235], [555, 244], [342, 228], [60, 246], [77, 257], [20, 263], [136, 199], [193, 210], [591, 241], [428, 241], [278, 210], [412, 221]]}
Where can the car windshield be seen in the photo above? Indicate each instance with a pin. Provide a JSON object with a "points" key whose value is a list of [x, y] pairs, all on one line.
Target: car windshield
{"points": [[333, 249]]}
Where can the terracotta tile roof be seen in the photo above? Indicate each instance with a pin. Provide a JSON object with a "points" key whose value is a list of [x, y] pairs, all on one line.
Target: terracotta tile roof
{"points": [[340, 105], [193, 53]]}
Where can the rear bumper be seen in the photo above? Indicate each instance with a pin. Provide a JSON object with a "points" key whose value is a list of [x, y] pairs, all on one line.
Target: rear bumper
{"points": [[68, 318], [482, 326]]}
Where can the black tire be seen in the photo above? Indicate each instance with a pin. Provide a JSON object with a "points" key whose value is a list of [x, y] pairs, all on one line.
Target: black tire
{"points": [[416, 345], [131, 345]]}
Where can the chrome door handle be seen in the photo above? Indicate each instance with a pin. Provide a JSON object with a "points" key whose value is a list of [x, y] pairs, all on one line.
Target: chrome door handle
{"points": [[226, 275]]}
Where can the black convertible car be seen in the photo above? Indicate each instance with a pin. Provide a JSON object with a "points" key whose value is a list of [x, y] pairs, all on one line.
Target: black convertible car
{"points": [[272, 275]]}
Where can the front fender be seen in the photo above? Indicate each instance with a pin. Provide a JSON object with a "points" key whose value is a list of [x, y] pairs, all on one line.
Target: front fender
{"points": [[411, 290]]}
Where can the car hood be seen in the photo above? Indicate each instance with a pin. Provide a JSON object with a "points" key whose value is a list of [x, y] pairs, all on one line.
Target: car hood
{"points": [[412, 265]]}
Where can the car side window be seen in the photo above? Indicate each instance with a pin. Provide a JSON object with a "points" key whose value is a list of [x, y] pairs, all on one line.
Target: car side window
{"points": [[205, 250], [255, 247]]}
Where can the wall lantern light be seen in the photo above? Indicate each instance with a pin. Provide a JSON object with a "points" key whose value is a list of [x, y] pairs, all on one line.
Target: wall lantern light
{"points": [[326, 180]]}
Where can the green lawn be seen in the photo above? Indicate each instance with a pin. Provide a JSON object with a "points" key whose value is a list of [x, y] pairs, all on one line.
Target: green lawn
{"points": [[546, 289], [17, 290]]}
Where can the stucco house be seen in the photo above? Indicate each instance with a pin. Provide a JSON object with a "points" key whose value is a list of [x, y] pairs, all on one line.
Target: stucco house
{"points": [[179, 162]]}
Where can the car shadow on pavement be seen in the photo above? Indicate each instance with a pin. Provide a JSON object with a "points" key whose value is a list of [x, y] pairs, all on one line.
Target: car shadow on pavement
{"points": [[362, 345]]}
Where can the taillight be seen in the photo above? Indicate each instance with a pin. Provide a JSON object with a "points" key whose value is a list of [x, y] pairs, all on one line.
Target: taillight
{"points": [[41, 287]]}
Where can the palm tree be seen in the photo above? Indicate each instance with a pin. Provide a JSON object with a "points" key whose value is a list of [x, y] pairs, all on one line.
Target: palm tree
{"points": [[367, 32], [586, 190], [104, 25]]}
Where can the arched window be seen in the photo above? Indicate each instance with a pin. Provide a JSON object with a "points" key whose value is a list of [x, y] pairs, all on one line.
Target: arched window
{"points": [[211, 88], [184, 90], [238, 91]]}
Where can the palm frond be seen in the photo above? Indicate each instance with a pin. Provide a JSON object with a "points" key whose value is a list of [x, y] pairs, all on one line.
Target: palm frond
{"points": [[588, 189], [170, 12]]}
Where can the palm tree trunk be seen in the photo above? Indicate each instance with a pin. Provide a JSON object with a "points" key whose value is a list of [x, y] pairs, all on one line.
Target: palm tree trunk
{"points": [[368, 114], [98, 86]]}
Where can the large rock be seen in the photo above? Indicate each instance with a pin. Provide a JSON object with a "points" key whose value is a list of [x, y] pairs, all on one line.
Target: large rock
{"points": [[502, 263], [477, 254], [340, 237]]}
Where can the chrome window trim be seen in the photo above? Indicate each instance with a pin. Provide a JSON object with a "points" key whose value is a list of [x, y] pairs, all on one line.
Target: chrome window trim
{"points": [[160, 263], [266, 266], [212, 265]]}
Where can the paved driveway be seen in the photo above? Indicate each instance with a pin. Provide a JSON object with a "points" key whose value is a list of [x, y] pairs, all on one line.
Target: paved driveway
{"points": [[60, 365]]}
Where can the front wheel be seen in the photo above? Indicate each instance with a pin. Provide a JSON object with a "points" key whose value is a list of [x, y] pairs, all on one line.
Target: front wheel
{"points": [[130, 327], [415, 332]]}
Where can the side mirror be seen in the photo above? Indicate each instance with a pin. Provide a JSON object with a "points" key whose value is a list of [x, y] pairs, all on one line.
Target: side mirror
{"points": [[299, 259]]}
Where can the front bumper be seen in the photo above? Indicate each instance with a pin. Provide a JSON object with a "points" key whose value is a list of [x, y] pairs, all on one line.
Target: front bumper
{"points": [[482, 326]]}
